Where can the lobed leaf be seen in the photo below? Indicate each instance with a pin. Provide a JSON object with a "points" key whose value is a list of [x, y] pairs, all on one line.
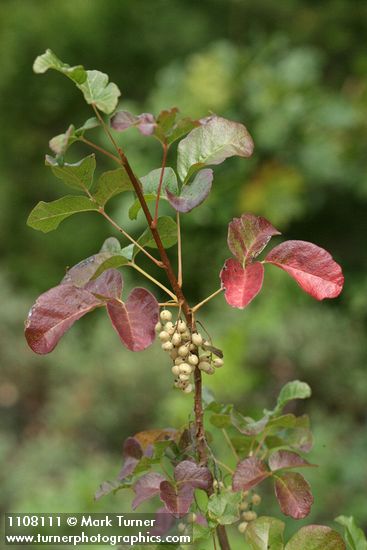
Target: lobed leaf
{"points": [[198, 477], [47, 216], [78, 175], [211, 143], [177, 499], [316, 537], [265, 533], [193, 194], [293, 494], [280, 460], [241, 284], [223, 508], [248, 236], [134, 320], [94, 85], [110, 184], [146, 488], [249, 472], [312, 267]]}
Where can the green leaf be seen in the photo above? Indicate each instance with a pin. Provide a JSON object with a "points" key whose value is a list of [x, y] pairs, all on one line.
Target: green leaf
{"points": [[150, 184], [99, 92], [316, 537], [220, 420], [297, 436], [49, 60], [214, 141], [93, 84], [201, 532], [354, 536], [46, 216], [265, 533], [78, 175], [110, 184], [224, 507], [292, 390], [60, 143], [167, 229]]}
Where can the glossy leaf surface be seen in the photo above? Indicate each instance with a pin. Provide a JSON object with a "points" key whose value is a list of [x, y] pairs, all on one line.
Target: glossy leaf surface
{"points": [[241, 284], [311, 266], [316, 537], [287, 459], [265, 533], [293, 494], [249, 472], [177, 499], [47, 216], [110, 184], [78, 175], [192, 194], [197, 476]]}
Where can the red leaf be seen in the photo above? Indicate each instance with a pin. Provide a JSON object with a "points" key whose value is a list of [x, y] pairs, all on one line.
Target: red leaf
{"points": [[249, 473], [146, 487], [177, 500], [54, 312], [134, 321], [190, 473], [132, 453], [293, 494], [311, 266], [192, 194], [287, 459], [248, 236], [241, 284], [108, 285]]}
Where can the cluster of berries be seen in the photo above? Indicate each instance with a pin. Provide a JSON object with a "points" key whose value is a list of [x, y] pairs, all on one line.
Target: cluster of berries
{"points": [[184, 347], [247, 513]]}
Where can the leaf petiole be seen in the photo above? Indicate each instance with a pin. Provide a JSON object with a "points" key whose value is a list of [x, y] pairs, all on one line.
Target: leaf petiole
{"points": [[200, 304], [137, 268]]}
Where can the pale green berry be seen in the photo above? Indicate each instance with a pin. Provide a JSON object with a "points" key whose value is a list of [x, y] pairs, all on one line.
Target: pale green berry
{"points": [[249, 516], [184, 377], [193, 359], [181, 326], [186, 335], [242, 527], [188, 388], [256, 499], [166, 315], [185, 368], [218, 362], [243, 506], [191, 518], [197, 339], [183, 351], [192, 347], [167, 346], [175, 370], [164, 336], [176, 339], [179, 360], [158, 327], [203, 365], [204, 357], [211, 370], [207, 344]]}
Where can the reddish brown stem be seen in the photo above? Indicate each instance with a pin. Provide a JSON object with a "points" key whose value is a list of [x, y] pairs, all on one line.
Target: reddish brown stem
{"points": [[164, 160]]}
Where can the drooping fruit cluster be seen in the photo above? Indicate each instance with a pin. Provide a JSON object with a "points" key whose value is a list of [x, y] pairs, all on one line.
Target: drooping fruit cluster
{"points": [[188, 350], [246, 508]]}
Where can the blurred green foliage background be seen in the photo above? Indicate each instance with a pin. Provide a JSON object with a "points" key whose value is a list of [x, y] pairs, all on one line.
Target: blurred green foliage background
{"points": [[295, 73]]}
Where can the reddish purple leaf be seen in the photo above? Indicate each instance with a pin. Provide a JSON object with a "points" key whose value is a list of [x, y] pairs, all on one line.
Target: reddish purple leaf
{"points": [[287, 459], [241, 284], [54, 312], [134, 320], [146, 487], [177, 499], [132, 453], [248, 236], [293, 494], [108, 285], [163, 522], [249, 473], [192, 194], [311, 266], [190, 473], [123, 120]]}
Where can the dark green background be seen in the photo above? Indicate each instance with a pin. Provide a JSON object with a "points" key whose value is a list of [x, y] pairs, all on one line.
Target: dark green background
{"points": [[295, 73]]}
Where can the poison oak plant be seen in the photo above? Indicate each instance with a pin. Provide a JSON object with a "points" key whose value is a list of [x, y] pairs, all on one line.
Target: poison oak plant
{"points": [[178, 466]]}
